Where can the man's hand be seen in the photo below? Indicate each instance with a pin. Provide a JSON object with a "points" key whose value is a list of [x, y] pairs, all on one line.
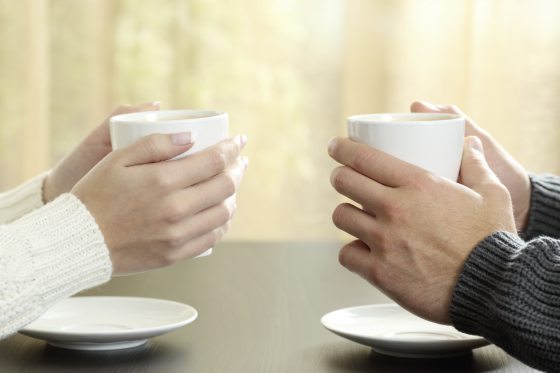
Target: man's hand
{"points": [[509, 171], [415, 229], [86, 155]]}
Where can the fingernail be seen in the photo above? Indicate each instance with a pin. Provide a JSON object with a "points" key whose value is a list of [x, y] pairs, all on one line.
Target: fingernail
{"points": [[476, 144], [245, 161], [332, 144], [181, 138]]}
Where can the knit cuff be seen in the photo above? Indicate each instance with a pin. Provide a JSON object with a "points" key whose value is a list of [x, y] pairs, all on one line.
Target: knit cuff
{"points": [[21, 200], [545, 204], [477, 292], [65, 246]]}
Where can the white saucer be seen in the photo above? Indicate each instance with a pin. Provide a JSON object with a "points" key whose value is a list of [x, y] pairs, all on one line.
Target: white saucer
{"points": [[108, 323], [390, 330]]}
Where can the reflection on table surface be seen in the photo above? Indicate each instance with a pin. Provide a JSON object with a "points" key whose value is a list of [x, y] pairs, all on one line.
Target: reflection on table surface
{"points": [[259, 308]]}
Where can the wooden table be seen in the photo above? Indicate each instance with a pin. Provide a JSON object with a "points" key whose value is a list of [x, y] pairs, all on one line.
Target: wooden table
{"points": [[259, 309]]}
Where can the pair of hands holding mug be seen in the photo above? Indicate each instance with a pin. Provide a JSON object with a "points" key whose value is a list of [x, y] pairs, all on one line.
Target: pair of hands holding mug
{"points": [[415, 229], [180, 208], [173, 210]]}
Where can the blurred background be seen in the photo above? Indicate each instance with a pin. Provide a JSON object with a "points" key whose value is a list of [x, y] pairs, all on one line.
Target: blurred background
{"points": [[287, 71]]}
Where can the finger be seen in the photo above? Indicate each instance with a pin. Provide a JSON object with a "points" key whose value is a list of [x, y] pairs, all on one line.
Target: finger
{"points": [[202, 243], [475, 172], [356, 222], [126, 109], [373, 163], [209, 162], [428, 107], [154, 148], [471, 129], [205, 221], [210, 192], [357, 257], [359, 188], [99, 137]]}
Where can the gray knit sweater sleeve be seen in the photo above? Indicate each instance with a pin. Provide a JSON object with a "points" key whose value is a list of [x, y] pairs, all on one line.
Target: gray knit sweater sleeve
{"points": [[509, 290], [544, 216]]}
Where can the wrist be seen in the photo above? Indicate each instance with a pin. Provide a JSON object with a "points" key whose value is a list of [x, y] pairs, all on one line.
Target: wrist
{"points": [[48, 193], [522, 206]]}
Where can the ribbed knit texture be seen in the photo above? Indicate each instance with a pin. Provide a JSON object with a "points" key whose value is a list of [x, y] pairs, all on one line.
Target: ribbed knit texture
{"points": [[21, 200], [544, 216], [509, 290], [48, 255]]}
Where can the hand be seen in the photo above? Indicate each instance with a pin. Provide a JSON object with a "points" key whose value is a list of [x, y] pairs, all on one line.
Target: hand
{"points": [[509, 171], [415, 229], [86, 155], [154, 213]]}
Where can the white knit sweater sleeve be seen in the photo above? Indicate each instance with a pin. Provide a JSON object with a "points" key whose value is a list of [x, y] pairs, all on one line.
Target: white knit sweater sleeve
{"points": [[19, 201], [48, 254]]}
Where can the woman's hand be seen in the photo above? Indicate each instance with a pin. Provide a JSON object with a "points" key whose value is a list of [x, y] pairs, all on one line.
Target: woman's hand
{"points": [[154, 211], [86, 155], [509, 171]]}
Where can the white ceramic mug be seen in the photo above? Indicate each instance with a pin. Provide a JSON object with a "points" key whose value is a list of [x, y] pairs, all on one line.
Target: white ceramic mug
{"points": [[207, 127], [433, 141]]}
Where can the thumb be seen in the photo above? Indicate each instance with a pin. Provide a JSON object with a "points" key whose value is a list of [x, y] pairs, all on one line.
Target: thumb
{"points": [[474, 169], [155, 148]]}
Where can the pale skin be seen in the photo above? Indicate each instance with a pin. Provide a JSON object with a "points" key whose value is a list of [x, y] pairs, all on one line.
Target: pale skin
{"points": [[153, 211], [87, 154], [510, 172], [415, 229]]}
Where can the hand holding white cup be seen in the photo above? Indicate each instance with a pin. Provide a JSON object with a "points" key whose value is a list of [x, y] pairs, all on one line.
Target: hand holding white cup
{"points": [[433, 141], [155, 201]]}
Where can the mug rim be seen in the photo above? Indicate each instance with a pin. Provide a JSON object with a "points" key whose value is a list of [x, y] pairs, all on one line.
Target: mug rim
{"points": [[139, 117], [385, 118]]}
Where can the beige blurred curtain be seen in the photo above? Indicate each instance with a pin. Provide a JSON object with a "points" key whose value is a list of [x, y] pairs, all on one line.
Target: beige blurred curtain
{"points": [[287, 71], [498, 60]]}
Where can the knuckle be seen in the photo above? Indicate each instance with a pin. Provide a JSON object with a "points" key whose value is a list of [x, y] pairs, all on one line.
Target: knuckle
{"points": [[363, 158], [173, 238], [219, 159], [427, 181], [496, 189], [380, 239], [391, 208], [166, 258], [161, 179], [172, 213], [385, 205], [150, 144]]}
